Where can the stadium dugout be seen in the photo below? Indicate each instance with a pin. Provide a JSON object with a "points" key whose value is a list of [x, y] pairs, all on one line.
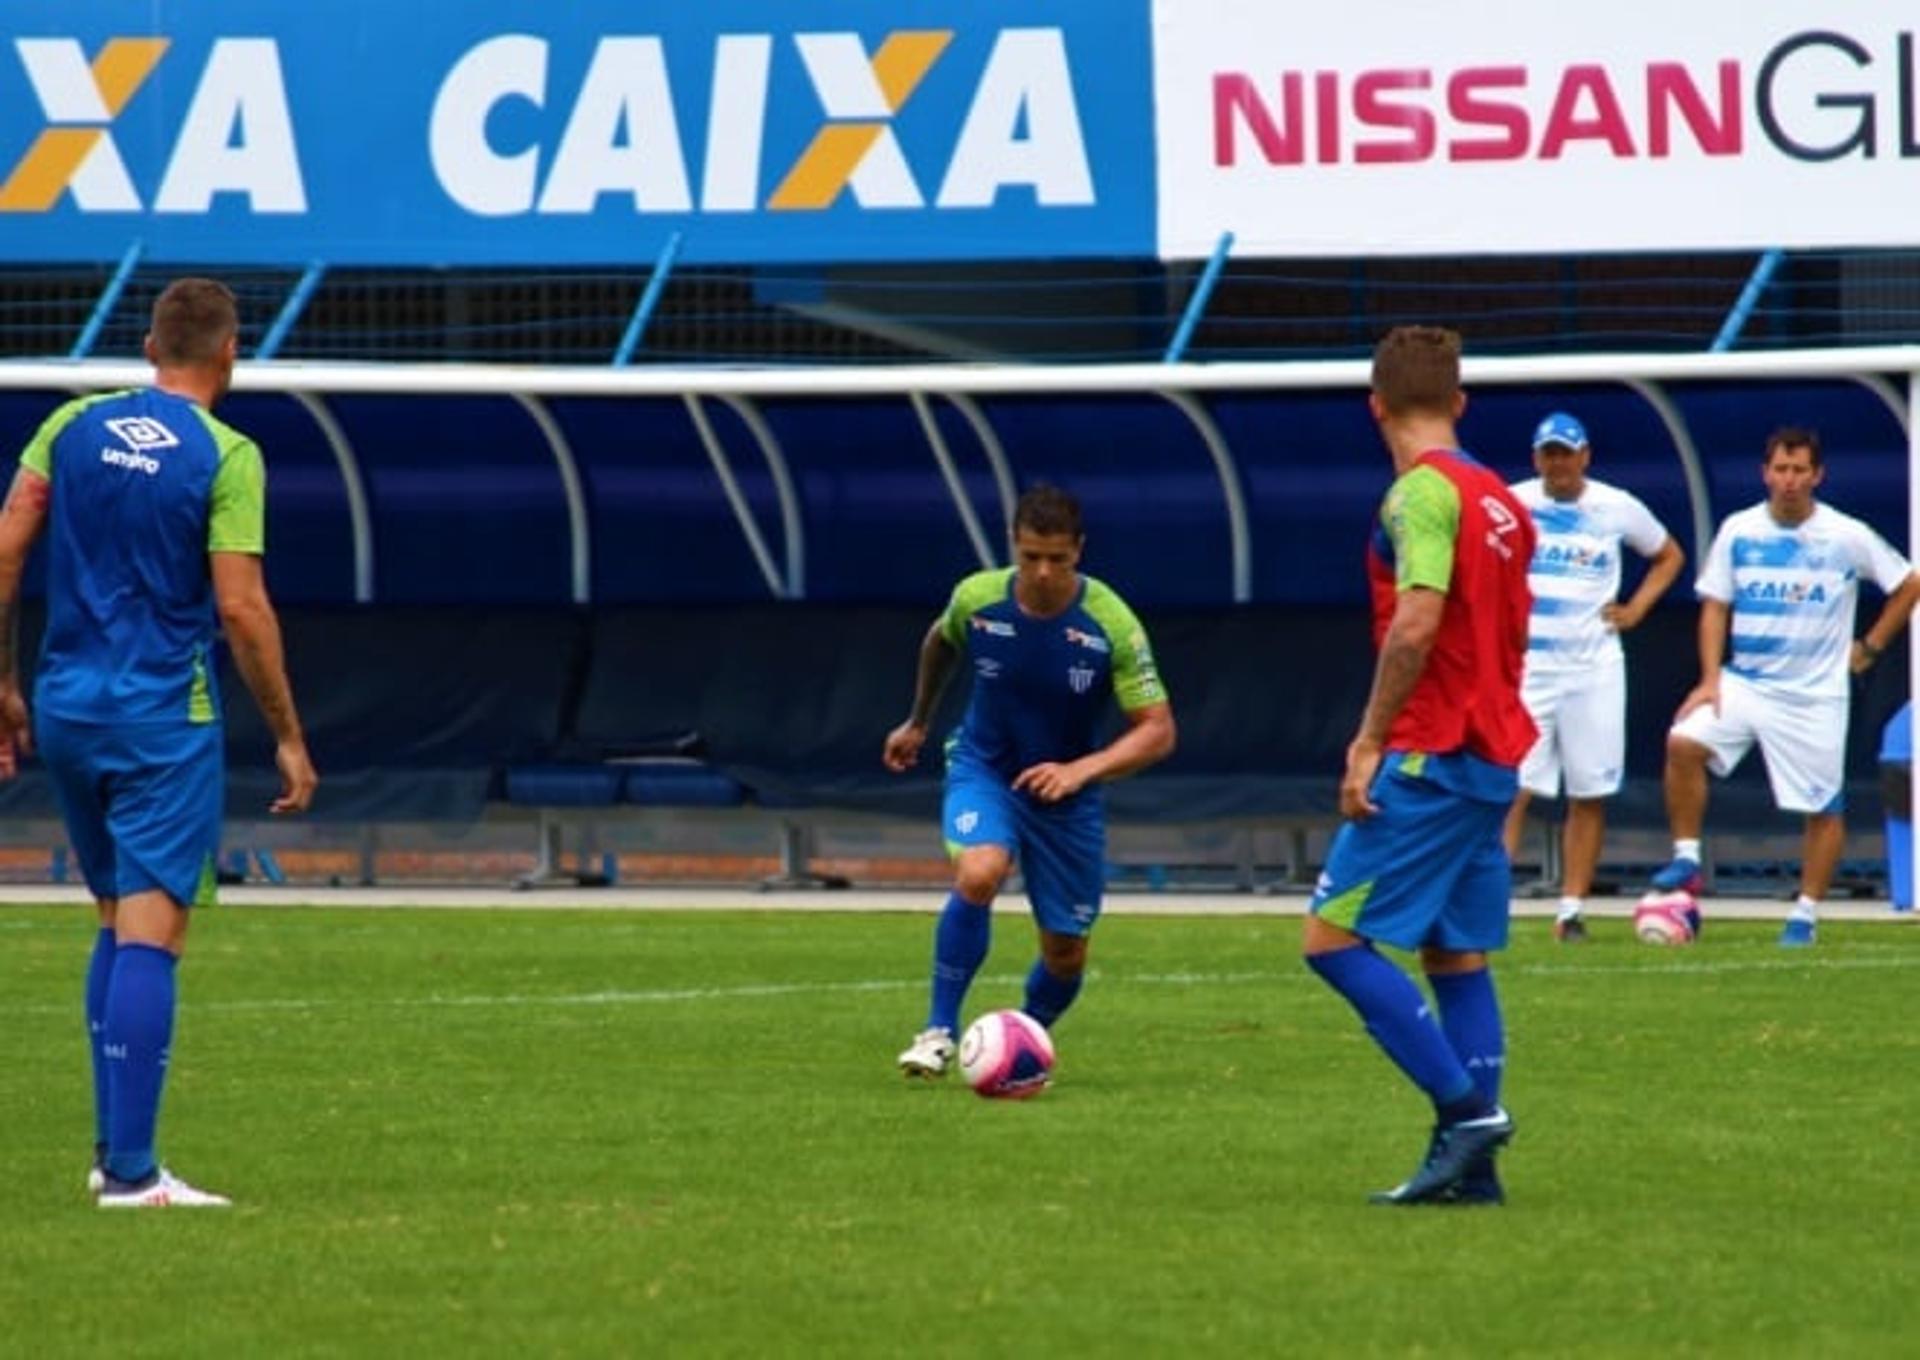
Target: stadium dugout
{"points": [[569, 596]]}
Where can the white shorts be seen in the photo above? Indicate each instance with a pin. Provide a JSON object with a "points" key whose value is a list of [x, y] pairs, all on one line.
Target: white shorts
{"points": [[1582, 717], [1802, 739]]}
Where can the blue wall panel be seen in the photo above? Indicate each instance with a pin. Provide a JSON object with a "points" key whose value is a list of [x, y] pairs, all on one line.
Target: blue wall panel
{"points": [[309, 527], [466, 499], [661, 526]]}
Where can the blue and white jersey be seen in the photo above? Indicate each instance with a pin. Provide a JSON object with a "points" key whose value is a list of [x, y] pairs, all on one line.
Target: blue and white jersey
{"points": [[1793, 592], [1575, 571]]}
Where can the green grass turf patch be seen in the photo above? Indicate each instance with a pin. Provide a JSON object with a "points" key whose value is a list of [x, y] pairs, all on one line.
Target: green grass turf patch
{"points": [[576, 1133]]}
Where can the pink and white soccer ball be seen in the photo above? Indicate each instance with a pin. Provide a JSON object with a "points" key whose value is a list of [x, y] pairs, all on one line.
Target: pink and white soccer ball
{"points": [[1007, 1055], [1668, 918]]}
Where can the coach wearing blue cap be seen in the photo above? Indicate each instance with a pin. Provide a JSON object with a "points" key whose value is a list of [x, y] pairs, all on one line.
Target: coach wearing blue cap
{"points": [[1576, 674]]}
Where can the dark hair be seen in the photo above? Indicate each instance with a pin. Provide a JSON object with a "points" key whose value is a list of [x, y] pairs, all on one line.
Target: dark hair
{"points": [[192, 319], [1417, 368], [1792, 437], [1047, 510]]}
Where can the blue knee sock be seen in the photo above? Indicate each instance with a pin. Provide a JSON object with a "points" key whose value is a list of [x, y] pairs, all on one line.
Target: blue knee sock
{"points": [[99, 974], [139, 1033], [959, 948], [1395, 1012], [1470, 1018], [1048, 996]]}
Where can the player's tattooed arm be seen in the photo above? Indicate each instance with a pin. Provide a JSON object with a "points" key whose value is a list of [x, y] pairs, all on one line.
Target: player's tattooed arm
{"points": [[1403, 658], [21, 520]]}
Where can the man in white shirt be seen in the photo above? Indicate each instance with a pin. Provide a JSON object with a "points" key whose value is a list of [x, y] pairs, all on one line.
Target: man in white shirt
{"points": [[1576, 676], [1786, 575]]}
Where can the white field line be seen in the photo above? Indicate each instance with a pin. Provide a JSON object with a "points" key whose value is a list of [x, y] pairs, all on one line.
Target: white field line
{"points": [[782, 990]]}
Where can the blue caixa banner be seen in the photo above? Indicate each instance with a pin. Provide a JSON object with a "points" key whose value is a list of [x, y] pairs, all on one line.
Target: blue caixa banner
{"points": [[578, 133]]}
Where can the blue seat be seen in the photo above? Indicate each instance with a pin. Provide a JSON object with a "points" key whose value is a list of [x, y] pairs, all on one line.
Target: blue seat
{"points": [[568, 786], [679, 782]]}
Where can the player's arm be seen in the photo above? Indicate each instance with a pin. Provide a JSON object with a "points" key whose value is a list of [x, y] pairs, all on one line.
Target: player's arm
{"points": [[1150, 734], [1715, 587], [1714, 617], [1403, 659], [21, 519], [236, 540], [1149, 739], [938, 656], [1893, 617], [253, 636], [1422, 517], [1662, 572]]}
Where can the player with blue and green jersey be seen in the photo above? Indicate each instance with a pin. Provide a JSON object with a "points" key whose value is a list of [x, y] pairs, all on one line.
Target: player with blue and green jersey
{"points": [[1050, 650], [155, 513]]}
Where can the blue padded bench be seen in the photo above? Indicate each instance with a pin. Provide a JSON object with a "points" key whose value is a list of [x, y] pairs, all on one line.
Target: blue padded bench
{"points": [[679, 781], [564, 786], [558, 789]]}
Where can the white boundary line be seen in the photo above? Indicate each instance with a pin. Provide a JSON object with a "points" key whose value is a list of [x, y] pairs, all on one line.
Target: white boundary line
{"points": [[921, 901], [782, 990]]}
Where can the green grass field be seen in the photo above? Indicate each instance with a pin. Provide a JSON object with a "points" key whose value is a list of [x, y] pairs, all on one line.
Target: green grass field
{"points": [[572, 1133]]}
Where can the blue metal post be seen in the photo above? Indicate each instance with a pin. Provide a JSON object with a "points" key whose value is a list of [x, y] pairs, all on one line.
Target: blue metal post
{"points": [[1764, 269], [109, 298], [1197, 304], [649, 299], [295, 304]]}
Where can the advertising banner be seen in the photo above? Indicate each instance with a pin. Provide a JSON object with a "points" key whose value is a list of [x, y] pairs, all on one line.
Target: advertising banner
{"points": [[583, 133], [1487, 126]]}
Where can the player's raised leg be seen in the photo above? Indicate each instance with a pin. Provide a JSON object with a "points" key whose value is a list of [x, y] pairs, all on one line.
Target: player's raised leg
{"points": [[1685, 786]]}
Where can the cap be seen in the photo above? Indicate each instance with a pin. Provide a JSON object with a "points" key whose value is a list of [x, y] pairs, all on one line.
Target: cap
{"points": [[1560, 428]]}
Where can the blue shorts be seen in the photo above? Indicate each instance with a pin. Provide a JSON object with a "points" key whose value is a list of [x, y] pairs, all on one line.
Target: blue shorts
{"points": [[142, 803], [1428, 868], [1061, 847]]}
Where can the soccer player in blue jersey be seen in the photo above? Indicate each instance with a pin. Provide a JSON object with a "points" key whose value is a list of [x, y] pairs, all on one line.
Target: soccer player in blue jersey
{"points": [[155, 513], [1049, 648]]}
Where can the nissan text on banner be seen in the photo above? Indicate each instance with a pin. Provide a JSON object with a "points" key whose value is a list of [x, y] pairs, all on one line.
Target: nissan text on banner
{"points": [[506, 132], [1484, 126]]}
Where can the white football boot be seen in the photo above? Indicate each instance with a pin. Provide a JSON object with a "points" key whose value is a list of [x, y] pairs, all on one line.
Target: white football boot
{"points": [[930, 1054], [164, 1191]]}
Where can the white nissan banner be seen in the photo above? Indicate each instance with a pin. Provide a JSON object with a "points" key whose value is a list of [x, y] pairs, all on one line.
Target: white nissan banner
{"points": [[1407, 127]]}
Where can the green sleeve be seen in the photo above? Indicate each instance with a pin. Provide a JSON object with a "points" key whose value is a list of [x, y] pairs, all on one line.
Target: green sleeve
{"points": [[238, 521], [1136, 677], [1422, 517], [973, 594], [39, 452]]}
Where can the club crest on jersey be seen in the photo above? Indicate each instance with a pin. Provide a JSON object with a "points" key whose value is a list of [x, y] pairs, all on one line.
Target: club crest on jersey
{"points": [[1093, 642], [1081, 678]]}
